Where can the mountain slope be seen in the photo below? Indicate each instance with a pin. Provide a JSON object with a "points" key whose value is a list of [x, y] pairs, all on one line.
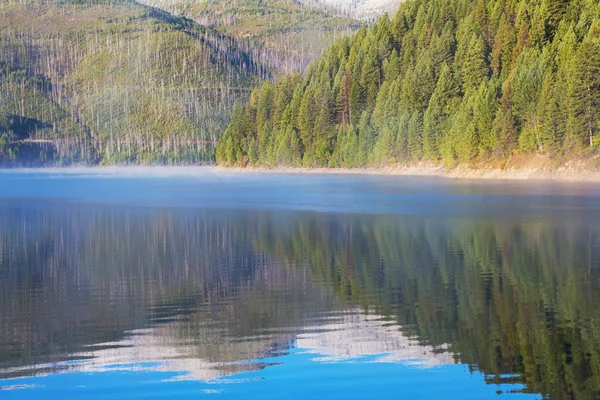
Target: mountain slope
{"points": [[463, 81], [284, 34], [112, 81], [363, 9]]}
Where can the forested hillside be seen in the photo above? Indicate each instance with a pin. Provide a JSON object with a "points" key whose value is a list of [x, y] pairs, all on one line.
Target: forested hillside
{"points": [[112, 81], [462, 81]]}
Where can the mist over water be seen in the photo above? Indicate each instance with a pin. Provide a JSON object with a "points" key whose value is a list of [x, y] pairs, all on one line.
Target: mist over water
{"points": [[213, 188], [186, 282]]}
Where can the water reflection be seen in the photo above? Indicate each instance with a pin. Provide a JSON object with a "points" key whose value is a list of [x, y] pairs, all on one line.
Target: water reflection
{"points": [[205, 295]]}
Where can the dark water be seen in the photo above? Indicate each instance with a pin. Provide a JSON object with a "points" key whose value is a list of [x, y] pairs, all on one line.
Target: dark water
{"points": [[179, 283]]}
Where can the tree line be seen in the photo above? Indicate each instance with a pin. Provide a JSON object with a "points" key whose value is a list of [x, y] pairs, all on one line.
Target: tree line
{"points": [[461, 81]]}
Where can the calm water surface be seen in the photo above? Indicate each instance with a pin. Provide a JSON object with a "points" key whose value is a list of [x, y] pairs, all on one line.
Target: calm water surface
{"points": [[192, 283]]}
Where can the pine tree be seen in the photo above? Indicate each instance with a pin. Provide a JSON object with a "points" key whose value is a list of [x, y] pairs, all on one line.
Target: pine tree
{"points": [[324, 121], [402, 151], [483, 19], [418, 86], [504, 131], [384, 108], [371, 77], [474, 68], [385, 43], [462, 141], [503, 42], [484, 112], [441, 106], [384, 147], [584, 89], [444, 46], [415, 136], [306, 118], [264, 108], [552, 128], [355, 103], [526, 87], [343, 98], [540, 24], [556, 10], [392, 70], [229, 150], [284, 91], [366, 140]]}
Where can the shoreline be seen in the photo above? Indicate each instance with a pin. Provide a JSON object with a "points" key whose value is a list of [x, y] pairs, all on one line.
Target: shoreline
{"points": [[518, 169], [560, 174]]}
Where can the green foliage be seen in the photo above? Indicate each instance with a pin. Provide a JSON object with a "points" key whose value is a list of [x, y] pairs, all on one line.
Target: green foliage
{"points": [[442, 106], [458, 81], [584, 90]]}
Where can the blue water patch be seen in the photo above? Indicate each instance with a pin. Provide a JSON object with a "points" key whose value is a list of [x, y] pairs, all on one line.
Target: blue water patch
{"points": [[295, 376]]}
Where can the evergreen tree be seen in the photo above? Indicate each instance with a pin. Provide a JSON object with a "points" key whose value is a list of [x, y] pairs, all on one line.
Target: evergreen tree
{"points": [[526, 88], [552, 128], [229, 150], [415, 136], [392, 70], [503, 42], [370, 77], [355, 103], [306, 118], [584, 89], [437, 117], [366, 139], [484, 110], [384, 147], [264, 108], [505, 134], [474, 68]]}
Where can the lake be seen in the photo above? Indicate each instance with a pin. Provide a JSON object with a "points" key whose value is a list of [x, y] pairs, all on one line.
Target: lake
{"points": [[194, 282]]}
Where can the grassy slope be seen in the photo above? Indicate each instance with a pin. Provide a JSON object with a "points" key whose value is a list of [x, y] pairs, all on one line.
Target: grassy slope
{"points": [[116, 81]]}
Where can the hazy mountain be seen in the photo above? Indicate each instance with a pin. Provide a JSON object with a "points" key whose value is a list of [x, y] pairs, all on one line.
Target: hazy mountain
{"points": [[113, 81], [360, 8], [285, 34]]}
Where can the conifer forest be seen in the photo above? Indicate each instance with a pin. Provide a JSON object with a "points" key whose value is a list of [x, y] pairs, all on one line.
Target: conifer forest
{"points": [[456, 81]]}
